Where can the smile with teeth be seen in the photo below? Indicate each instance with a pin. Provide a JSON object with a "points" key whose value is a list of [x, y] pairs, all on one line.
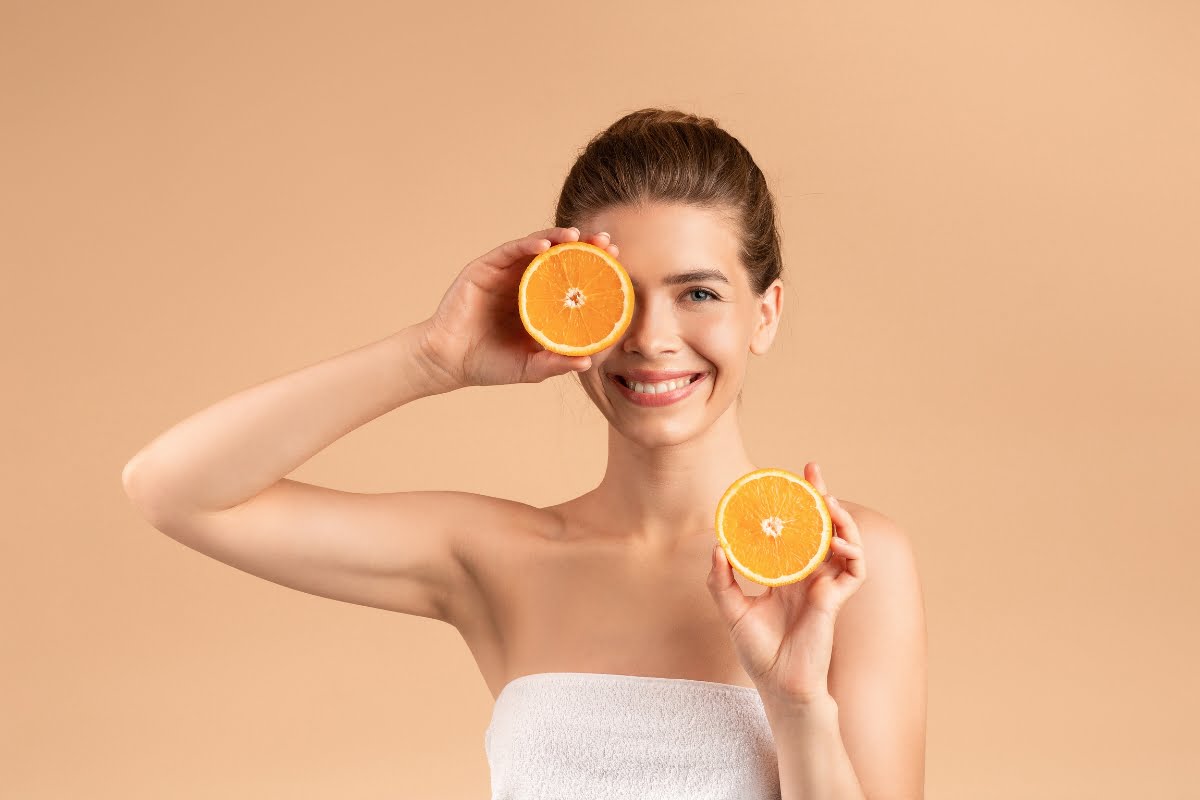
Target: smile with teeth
{"points": [[657, 388]]}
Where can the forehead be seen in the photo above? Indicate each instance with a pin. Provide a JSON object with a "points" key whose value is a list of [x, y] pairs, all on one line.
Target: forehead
{"points": [[657, 240]]}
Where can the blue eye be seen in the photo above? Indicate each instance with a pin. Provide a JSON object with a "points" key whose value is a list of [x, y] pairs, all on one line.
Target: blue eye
{"points": [[706, 291]]}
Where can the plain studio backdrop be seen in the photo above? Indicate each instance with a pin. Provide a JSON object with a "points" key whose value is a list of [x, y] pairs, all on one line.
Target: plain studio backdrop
{"points": [[989, 216]]}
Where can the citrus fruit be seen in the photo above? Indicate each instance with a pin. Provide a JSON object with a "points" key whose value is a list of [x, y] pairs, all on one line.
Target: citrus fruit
{"points": [[774, 526], [575, 299]]}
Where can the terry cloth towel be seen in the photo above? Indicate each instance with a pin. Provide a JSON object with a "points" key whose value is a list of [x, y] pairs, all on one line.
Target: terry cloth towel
{"points": [[603, 736]]}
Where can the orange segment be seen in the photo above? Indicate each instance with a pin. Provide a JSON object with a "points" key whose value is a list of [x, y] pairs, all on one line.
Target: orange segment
{"points": [[774, 526], [575, 299]]}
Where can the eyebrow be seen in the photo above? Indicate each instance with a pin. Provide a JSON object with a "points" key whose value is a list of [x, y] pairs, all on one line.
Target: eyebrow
{"points": [[691, 276]]}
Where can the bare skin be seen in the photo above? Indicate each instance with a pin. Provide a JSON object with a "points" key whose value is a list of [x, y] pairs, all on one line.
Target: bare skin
{"points": [[618, 580], [613, 581], [551, 592]]}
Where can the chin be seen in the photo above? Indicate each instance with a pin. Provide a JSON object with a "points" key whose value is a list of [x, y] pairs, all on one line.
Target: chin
{"points": [[650, 435]]}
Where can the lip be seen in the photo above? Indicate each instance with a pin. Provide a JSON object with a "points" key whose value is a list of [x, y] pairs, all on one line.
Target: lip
{"points": [[655, 400]]}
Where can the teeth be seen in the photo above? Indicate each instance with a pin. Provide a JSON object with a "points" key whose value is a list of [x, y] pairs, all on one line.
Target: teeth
{"points": [[657, 388]]}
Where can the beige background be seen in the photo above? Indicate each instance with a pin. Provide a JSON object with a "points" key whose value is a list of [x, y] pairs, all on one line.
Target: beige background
{"points": [[990, 218]]}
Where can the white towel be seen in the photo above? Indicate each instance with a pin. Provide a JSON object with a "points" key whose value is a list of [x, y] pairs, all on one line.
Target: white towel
{"points": [[603, 736]]}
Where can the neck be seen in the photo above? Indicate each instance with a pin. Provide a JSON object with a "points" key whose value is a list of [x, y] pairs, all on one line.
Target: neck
{"points": [[663, 492]]}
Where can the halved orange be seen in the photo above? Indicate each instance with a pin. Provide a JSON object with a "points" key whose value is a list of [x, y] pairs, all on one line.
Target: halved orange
{"points": [[774, 526], [575, 299]]}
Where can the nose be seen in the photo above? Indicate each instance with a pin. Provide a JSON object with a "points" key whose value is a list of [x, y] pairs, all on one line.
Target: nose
{"points": [[653, 330]]}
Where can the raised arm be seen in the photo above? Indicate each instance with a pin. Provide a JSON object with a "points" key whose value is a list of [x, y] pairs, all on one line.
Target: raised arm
{"points": [[215, 481]]}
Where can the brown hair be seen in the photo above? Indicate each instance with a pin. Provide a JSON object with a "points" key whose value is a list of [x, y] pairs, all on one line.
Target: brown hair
{"points": [[665, 155]]}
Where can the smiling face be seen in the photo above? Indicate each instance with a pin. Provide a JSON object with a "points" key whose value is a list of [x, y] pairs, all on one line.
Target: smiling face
{"points": [[694, 311]]}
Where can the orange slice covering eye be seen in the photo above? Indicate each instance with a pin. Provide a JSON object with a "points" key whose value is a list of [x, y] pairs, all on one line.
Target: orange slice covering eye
{"points": [[774, 526], [575, 299]]}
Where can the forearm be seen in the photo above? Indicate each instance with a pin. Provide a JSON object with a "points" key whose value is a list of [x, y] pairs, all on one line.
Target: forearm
{"points": [[813, 762], [233, 450]]}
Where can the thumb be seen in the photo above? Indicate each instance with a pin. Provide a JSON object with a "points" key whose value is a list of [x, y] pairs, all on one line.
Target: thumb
{"points": [[730, 599], [546, 364]]}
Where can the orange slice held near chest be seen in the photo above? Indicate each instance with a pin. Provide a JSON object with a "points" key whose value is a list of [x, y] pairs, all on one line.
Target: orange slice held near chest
{"points": [[774, 526], [575, 299]]}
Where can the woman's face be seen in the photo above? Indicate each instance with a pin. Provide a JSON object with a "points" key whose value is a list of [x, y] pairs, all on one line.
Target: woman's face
{"points": [[697, 323]]}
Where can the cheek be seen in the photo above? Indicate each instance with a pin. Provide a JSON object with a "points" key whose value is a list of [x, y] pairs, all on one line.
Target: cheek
{"points": [[721, 346], [595, 380]]}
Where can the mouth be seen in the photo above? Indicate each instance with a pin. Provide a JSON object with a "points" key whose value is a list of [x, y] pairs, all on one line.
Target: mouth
{"points": [[670, 386]]}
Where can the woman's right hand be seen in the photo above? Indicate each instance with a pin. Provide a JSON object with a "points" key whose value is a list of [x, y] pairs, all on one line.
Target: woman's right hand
{"points": [[476, 338]]}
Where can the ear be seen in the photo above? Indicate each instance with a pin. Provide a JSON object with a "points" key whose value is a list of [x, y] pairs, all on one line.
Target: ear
{"points": [[769, 309]]}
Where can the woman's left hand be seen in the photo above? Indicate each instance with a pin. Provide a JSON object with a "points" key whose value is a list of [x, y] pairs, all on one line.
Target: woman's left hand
{"points": [[784, 636]]}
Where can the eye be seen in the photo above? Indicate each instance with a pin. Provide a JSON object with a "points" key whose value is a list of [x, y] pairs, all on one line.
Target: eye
{"points": [[708, 292]]}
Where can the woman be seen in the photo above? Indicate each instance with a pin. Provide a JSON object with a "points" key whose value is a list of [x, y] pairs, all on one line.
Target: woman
{"points": [[627, 658]]}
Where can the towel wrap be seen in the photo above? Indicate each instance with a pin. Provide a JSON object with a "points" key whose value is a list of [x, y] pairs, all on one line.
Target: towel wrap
{"points": [[604, 736]]}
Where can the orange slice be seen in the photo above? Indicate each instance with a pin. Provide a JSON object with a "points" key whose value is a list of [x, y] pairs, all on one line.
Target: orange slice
{"points": [[774, 526], [575, 299]]}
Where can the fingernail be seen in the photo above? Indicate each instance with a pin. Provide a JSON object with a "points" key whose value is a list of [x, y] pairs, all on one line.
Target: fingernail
{"points": [[603, 233]]}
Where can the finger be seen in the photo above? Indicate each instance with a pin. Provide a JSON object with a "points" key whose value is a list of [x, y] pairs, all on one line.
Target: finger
{"points": [[856, 568], [514, 252], [844, 548], [545, 364], [556, 234], [847, 543], [603, 239], [812, 473], [842, 520], [731, 600], [518, 250]]}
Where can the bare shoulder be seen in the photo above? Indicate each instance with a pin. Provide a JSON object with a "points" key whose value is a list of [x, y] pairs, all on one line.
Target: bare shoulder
{"points": [[892, 584], [890, 602], [496, 514], [880, 532], [488, 529], [878, 671]]}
